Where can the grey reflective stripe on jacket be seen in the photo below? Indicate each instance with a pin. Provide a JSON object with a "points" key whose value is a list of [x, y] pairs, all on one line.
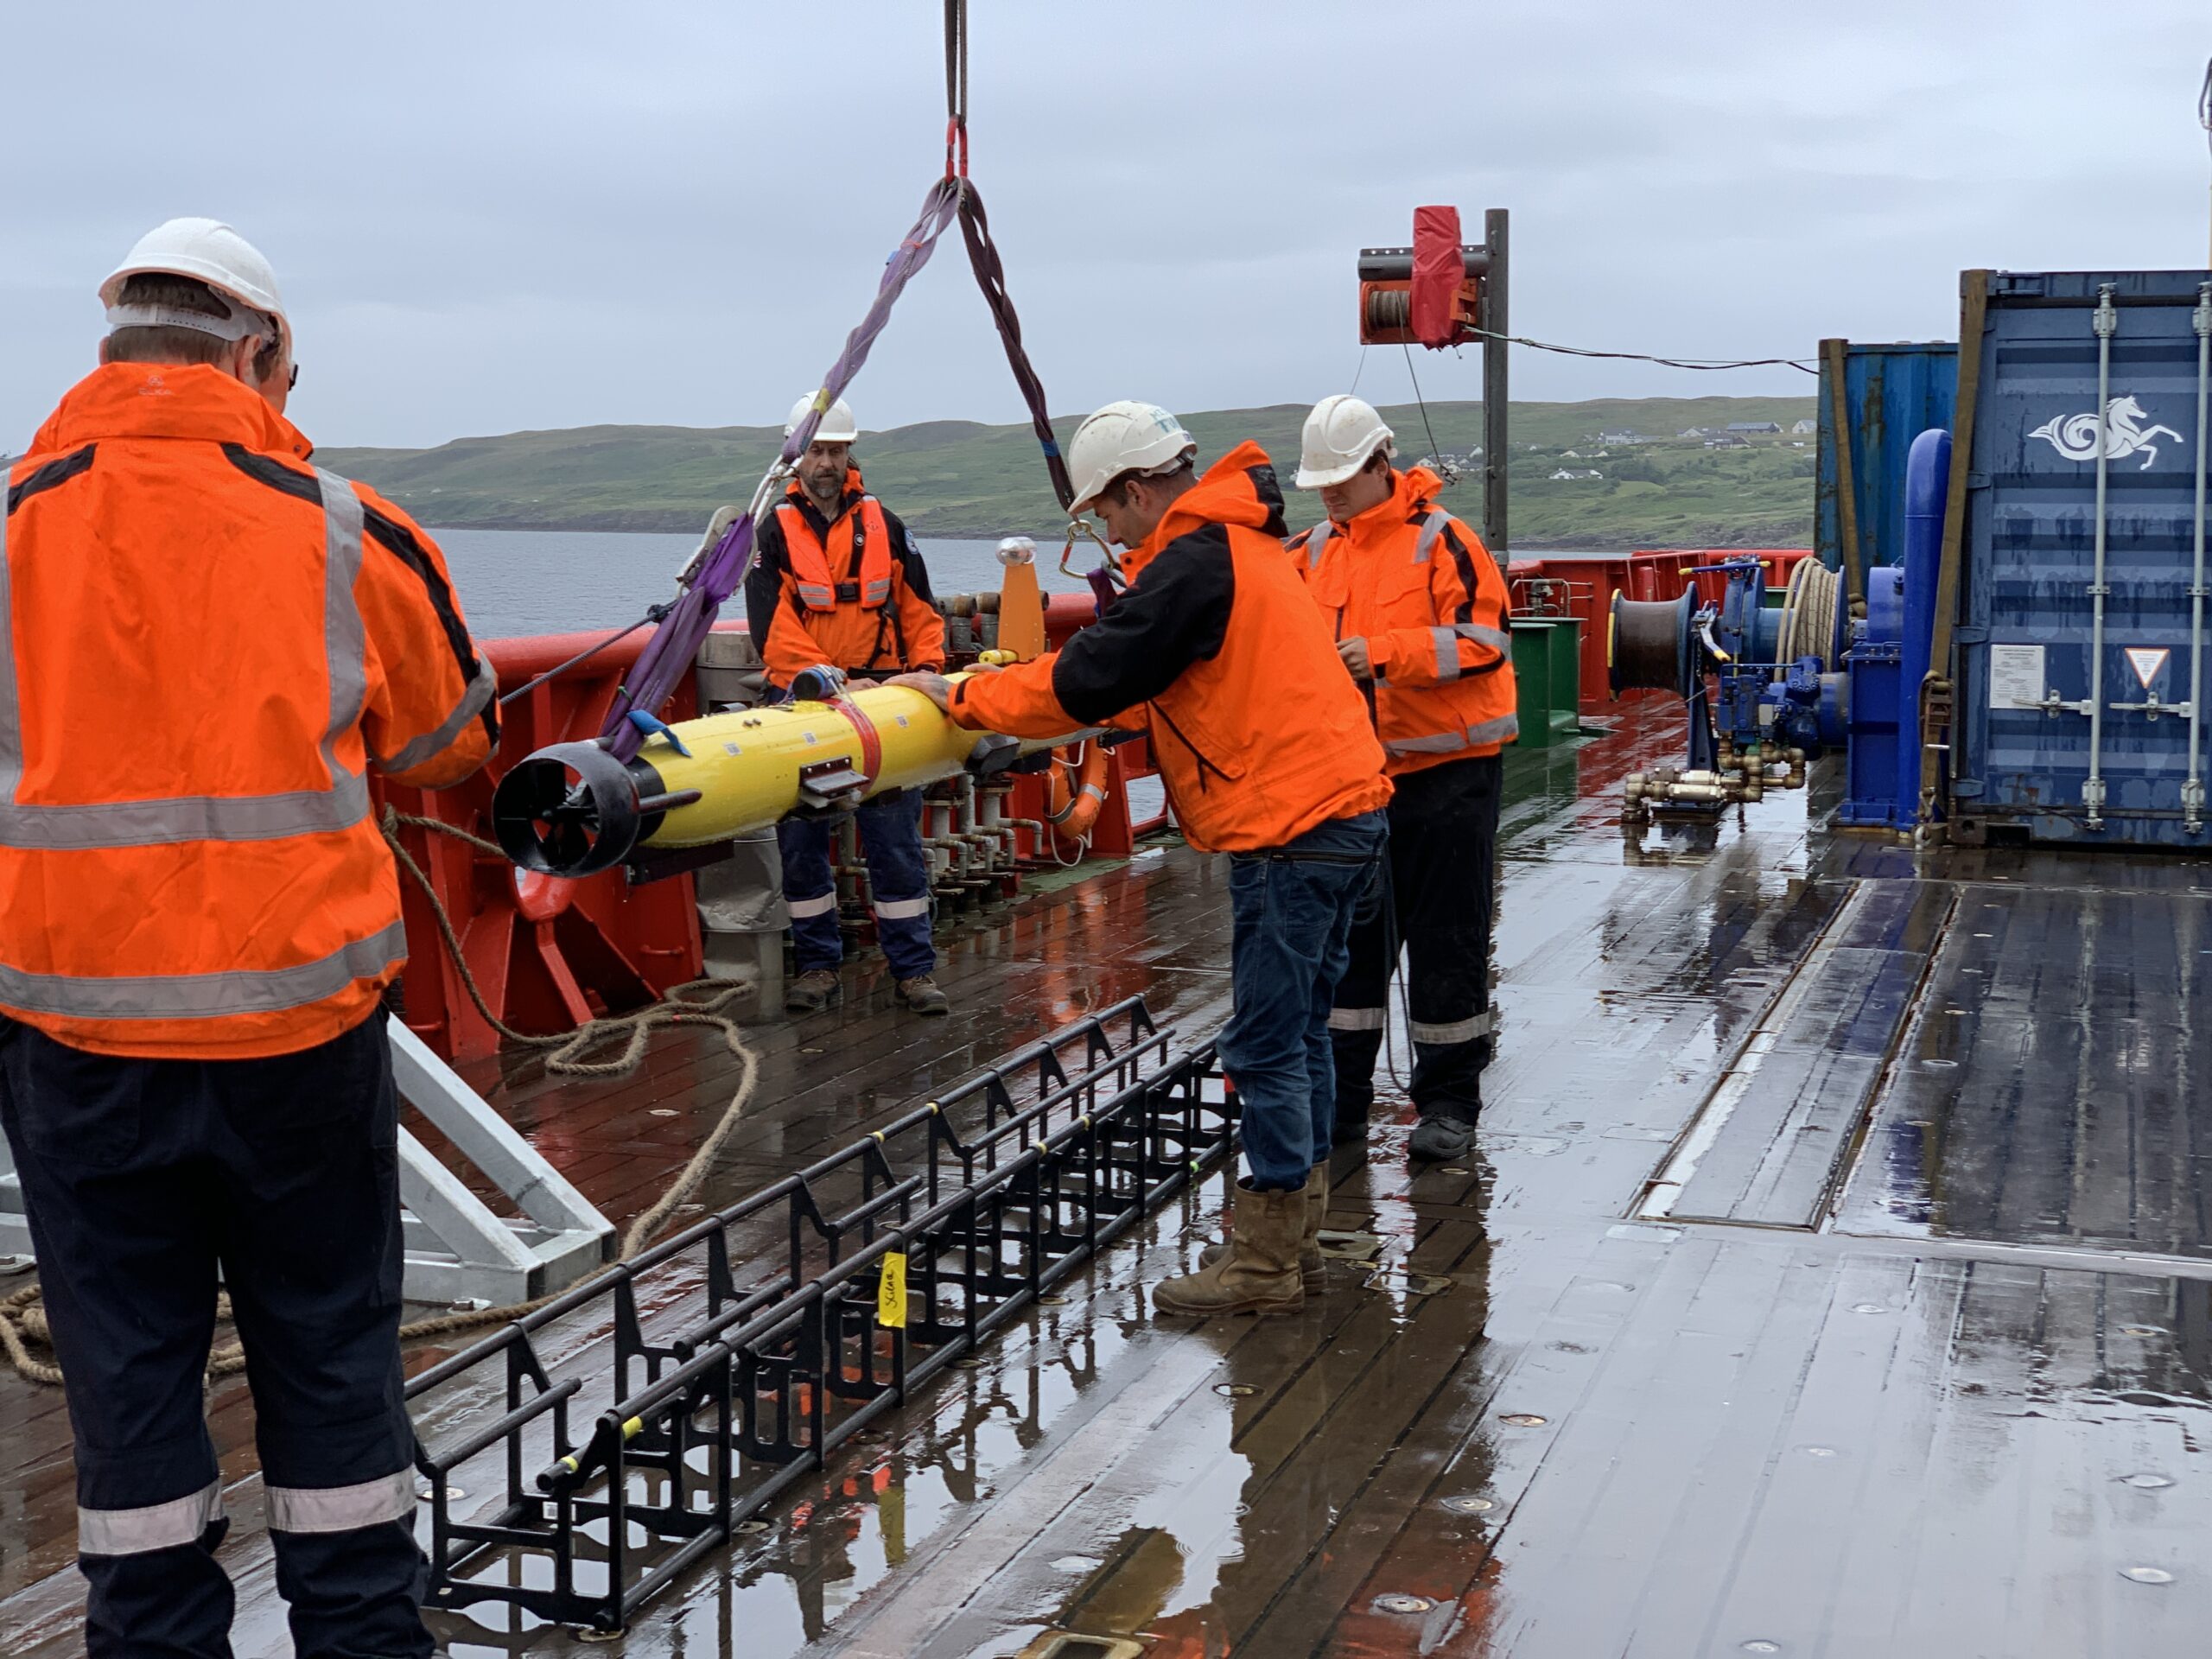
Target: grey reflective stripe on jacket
{"points": [[154, 1526], [1448, 653], [1431, 528], [342, 1509], [168, 820], [1503, 729], [431, 745], [1448, 645], [204, 996]]}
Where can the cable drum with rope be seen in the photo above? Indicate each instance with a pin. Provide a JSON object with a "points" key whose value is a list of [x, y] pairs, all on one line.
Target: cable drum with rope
{"points": [[1808, 627]]}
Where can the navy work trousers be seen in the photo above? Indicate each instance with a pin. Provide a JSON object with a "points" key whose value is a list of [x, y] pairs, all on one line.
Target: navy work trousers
{"points": [[1436, 901], [139, 1177], [897, 875], [1291, 907]]}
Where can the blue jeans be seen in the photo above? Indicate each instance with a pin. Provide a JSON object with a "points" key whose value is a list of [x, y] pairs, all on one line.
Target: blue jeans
{"points": [[898, 877], [1292, 907]]}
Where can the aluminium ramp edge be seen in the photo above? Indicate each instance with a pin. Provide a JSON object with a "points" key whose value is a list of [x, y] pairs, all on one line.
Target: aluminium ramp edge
{"points": [[458, 1250]]}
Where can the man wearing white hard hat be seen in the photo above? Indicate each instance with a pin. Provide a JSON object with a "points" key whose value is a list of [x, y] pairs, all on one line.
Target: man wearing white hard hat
{"points": [[196, 930], [1216, 653], [838, 585], [1419, 613]]}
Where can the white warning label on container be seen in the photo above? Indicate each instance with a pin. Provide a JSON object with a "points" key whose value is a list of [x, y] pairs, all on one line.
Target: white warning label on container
{"points": [[2016, 677], [2148, 662]]}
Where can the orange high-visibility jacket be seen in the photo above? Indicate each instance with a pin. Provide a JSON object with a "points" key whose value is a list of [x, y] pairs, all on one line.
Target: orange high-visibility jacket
{"points": [[1422, 590], [1215, 651], [852, 593], [205, 642]]}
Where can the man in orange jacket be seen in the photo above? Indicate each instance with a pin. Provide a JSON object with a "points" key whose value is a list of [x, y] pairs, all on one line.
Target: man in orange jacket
{"points": [[838, 584], [1215, 652], [205, 642], [1418, 610]]}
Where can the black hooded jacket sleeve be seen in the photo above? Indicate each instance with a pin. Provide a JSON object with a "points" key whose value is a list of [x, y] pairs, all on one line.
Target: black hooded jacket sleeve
{"points": [[1175, 613]]}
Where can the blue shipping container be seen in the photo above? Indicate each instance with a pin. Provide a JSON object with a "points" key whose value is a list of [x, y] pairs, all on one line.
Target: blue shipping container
{"points": [[1893, 393], [2056, 739]]}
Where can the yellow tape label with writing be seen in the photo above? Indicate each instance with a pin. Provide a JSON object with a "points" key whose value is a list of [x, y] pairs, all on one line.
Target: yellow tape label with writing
{"points": [[891, 1292]]}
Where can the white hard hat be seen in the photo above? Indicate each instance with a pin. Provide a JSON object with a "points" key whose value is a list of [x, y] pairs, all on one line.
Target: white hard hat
{"points": [[1123, 437], [1340, 434], [218, 257], [836, 421]]}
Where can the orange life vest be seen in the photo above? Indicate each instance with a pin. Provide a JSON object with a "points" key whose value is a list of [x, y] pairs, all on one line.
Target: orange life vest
{"points": [[863, 556], [846, 597]]}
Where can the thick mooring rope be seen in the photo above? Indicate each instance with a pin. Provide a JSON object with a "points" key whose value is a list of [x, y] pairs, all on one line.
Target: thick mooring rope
{"points": [[1807, 624], [699, 1002]]}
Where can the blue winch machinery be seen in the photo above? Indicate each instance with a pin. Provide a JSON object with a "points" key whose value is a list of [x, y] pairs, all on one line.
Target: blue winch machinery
{"points": [[1762, 682]]}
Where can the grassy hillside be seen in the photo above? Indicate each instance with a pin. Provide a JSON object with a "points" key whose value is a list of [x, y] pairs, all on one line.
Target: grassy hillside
{"points": [[959, 478]]}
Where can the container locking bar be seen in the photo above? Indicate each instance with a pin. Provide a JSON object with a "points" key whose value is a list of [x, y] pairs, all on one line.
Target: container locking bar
{"points": [[2192, 791], [2106, 322]]}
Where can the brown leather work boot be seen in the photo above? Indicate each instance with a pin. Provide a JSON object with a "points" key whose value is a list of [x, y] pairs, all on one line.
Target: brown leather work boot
{"points": [[923, 995], [1312, 1271], [813, 991], [1258, 1273]]}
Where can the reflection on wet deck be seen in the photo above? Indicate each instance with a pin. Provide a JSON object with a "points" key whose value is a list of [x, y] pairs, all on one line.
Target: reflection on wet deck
{"points": [[1831, 1279]]}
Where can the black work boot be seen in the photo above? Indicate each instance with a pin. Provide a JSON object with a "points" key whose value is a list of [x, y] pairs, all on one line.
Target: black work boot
{"points": [[1443, 1133], [813, 991], [923, 995]]}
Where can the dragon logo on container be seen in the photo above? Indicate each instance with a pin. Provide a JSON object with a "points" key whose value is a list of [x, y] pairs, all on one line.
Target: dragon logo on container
{"points": [[2075, 437]]}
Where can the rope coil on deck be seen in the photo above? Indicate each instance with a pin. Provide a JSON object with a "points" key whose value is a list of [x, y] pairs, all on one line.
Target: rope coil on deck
{"points": [[23, 1323]]}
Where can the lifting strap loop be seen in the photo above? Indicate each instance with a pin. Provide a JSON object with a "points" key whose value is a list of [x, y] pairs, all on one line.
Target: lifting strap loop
{"points": [[990, 276], [668, 655]]}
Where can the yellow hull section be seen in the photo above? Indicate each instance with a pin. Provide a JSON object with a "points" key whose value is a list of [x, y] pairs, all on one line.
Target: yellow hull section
{"points": [[750, 764]]}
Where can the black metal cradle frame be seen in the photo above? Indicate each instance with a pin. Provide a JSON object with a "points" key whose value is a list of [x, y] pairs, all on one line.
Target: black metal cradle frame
{"points": [[1080, 1136]]}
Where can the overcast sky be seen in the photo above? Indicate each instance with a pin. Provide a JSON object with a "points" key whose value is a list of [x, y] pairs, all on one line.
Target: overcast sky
{"points": [[494, 217]]}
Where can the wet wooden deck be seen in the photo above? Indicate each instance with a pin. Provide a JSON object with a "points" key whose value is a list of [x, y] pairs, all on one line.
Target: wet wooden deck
{"points": [[1831, 1280]]}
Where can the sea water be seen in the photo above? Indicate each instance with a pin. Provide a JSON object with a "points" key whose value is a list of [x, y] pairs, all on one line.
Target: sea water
{"points": [[515, 582]]}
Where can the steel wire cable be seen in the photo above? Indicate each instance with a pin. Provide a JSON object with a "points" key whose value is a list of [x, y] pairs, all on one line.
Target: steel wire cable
{"points": [[1451, 474], [1807, 365]]}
